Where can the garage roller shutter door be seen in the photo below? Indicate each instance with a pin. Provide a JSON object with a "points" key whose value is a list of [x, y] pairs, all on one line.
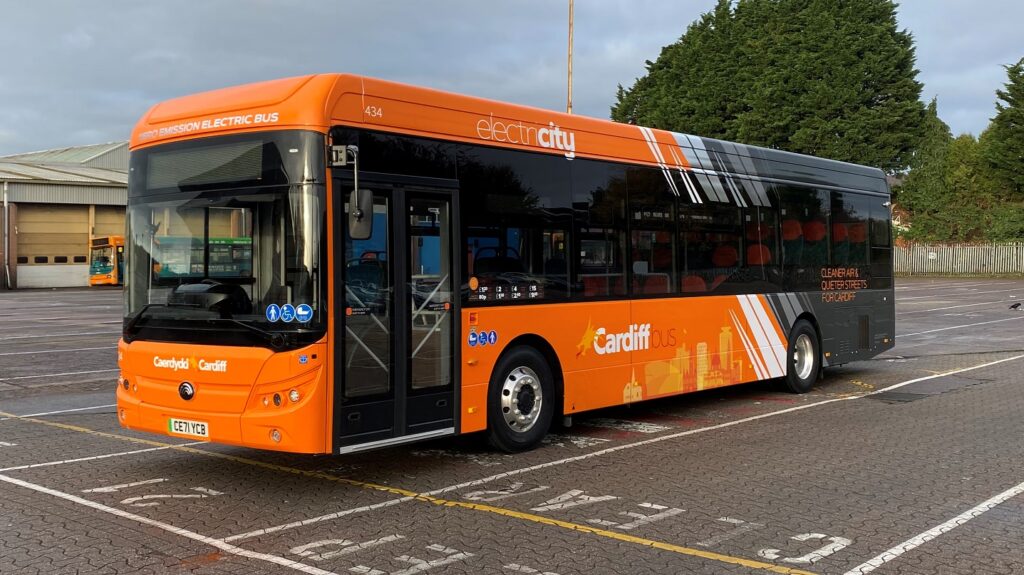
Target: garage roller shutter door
{"points": [[52, 231], [109, 221]]}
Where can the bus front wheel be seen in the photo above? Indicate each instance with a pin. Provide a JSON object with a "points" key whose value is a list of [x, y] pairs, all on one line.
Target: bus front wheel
{"points": [[804, 358], [520, 400]]}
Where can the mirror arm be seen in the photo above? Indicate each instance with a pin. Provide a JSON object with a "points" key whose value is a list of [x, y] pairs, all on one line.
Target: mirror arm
{"points": [[357, 211]]}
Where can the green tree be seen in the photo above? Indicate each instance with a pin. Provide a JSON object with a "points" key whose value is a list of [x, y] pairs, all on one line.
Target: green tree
{"points": [[1004, 143], [923, 192], [833, 79]]}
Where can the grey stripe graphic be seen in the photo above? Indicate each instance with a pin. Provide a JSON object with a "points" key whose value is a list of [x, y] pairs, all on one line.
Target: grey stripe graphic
{"points": [[701, 160]]}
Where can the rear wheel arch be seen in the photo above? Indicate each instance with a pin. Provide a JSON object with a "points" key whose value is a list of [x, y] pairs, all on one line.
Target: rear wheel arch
{"points": [[804, 356]]}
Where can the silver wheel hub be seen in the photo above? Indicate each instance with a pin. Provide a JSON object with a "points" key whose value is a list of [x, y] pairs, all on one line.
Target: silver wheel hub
{"points": [[521, 399], [803, 356]]}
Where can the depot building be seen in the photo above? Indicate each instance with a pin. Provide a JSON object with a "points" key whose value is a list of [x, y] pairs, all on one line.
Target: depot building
{"points": [[55, 202]]}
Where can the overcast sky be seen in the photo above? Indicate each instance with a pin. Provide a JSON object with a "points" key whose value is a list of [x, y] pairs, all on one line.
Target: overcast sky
{"points": [[77, 72]]}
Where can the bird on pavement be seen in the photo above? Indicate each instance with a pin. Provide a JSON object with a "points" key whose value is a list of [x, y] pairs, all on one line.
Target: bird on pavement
{"points": [[1015, 306]]}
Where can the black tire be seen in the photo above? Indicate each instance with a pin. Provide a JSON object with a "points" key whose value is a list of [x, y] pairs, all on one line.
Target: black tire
{"points": [[521, 380], [803, 358]]}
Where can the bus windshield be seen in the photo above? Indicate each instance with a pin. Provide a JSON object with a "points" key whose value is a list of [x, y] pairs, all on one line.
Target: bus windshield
{"points": [[224, 241], [101, 260]]}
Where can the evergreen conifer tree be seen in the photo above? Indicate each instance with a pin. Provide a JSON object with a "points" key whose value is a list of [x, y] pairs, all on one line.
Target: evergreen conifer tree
{"points": [[833, 79], [1004, 142]]}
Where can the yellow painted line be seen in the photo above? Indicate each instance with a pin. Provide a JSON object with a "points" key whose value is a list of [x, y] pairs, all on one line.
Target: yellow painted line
{"points": [[619, 536], [679, 549]]}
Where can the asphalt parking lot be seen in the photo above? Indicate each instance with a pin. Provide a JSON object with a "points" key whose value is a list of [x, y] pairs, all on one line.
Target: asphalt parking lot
{"points": [[908, 463]]}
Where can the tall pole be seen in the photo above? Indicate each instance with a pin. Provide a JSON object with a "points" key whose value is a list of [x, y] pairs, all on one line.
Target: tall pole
{"points": [[568, 105], [7, 241]]}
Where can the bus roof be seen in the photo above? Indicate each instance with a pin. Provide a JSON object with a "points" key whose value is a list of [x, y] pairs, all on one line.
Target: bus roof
{"points": [[318, 102]]}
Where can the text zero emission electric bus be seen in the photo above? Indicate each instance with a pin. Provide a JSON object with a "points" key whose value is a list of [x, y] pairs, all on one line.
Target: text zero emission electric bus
{"points": [[333, 263]]}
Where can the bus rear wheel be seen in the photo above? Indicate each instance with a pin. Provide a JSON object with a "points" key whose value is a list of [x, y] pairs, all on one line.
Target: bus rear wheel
{"points": [[803, 358], [520, 400]]}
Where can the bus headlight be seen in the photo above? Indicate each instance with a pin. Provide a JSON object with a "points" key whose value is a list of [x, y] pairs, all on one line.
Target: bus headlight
{"points": [[294, 395]]}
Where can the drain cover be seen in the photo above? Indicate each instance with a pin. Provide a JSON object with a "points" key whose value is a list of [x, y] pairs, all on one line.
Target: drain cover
{"points": [[898, 396]]}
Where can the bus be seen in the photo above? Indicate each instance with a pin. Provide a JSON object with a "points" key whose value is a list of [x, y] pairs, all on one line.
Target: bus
{"points": [[334, 263], [106, 261]]}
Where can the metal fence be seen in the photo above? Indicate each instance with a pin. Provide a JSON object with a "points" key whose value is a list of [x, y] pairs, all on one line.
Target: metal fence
{"points": [[959, 259]]}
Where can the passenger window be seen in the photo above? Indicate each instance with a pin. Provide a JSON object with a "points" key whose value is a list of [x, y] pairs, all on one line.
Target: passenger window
{"points": [[804, 236], [599, 205], [710, 251], [517, 248], [881, 244], [850, 229], [652, 220]]}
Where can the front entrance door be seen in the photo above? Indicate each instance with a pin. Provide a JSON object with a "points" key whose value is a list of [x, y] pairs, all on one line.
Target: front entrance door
{"points": [[395, 344]]}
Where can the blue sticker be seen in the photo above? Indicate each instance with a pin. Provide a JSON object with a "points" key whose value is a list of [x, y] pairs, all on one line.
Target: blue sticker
{"points": [[492, 337], [303, 313], [287, 312], [482, 338], [303, 359], [472, 339], [273, 313]]}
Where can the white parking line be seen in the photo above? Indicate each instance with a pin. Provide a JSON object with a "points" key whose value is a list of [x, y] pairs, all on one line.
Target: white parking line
{"points": [[218, 543], [311, 520], [95, 457], [606, 451], [59, 335], [68, 410], [918, 540], [951, 286], [1002, 301], [1021, 316], [96, 323], [58, 350], [899, 299], [60, 411], [57, 374]]}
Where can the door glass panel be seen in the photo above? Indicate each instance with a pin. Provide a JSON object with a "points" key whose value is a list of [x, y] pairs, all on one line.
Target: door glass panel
{"points": [[430, 351], [368, 308]]}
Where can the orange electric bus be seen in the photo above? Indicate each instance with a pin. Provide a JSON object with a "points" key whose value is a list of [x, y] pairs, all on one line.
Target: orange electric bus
{"points": [[106, 261], [334, 263]]}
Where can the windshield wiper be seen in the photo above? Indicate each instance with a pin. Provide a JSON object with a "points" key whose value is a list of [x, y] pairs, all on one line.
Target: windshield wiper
{"points": [[131, 323], [277, 339]]}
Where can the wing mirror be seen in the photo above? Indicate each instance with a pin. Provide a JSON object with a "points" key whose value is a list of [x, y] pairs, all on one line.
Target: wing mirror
{"points": [[360, 202], [360, 214]]}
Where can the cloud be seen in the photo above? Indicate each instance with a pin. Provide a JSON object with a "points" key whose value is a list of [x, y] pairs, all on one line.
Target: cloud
{"points": [[95, 69]]}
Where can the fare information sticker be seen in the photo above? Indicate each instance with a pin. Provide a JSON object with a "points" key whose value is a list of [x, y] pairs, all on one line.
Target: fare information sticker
{"points": [[186, 427]]}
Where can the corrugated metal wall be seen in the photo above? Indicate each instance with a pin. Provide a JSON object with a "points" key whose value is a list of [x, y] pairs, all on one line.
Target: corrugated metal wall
{"points": [[959, 259], [116, 159], [67, 194]]}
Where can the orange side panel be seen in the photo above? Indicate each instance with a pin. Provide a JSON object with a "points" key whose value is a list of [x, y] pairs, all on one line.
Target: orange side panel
{"points": [[614, 353]]}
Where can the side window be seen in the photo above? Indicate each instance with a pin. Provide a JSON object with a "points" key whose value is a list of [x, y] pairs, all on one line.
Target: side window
{"points": [[881, 243], [763, 251], [804, 236], [710, 252], [599, 208], [652, 223], [516, 241], [850, 229], [393, 154]]}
